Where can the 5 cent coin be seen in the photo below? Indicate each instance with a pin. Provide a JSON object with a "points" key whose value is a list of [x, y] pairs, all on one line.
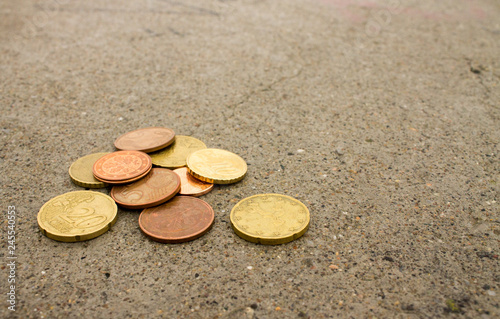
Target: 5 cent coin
{"points": [[270, 219], [182, 219], [147, 139], [77, 216], [157, 187]]}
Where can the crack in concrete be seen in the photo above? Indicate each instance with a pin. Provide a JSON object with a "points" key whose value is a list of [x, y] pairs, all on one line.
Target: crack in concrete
{"points": [[198, 9], [268, 87], [479, 72]]}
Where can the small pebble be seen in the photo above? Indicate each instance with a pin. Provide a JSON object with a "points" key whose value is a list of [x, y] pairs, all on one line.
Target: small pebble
{"points": [[300, 151], [492, 293], [249, 267]]}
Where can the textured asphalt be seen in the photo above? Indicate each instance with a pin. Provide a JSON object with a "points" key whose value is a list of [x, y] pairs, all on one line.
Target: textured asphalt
{"points": [[382, 117]]}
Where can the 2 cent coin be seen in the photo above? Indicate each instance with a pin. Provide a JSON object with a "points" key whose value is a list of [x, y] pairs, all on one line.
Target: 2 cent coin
{"points": [[147, 139], [182, 219], [157, 187]]}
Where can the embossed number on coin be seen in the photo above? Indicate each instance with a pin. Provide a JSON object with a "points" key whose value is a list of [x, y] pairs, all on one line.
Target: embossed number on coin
{"points": [[157, 187], [77, 216]]}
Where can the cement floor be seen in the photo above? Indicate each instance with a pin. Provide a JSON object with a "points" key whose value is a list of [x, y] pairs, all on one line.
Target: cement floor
{"points": [[381, 116]]}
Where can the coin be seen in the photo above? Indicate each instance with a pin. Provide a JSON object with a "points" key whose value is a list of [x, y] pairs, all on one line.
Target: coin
{"points": [[157, 187], [81, 174], [270, 219], [147, 139], [216, 166], [122, 166], [77, 216], [128, 181], [190, 185], [184, 218], [175, 155]]}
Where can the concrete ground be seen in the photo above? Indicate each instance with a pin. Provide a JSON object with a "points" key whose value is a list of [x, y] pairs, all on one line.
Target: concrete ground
{"points": [[381, 116]]}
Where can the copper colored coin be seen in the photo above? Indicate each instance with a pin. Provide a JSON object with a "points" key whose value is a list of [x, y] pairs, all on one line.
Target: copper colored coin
{"points": [[157, 187], [147, 139], [184, 218], [190, 185], [122, 166], [126, 181]]}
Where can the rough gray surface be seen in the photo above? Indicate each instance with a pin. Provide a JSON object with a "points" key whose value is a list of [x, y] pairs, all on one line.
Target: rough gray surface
{"points": [[396, 109]]}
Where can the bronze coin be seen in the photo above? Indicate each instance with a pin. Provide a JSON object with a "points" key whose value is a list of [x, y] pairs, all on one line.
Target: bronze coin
{"points": [[147, 139], [122, 166], [184, 218], [157, 187], [190, 185], [126, 181]]}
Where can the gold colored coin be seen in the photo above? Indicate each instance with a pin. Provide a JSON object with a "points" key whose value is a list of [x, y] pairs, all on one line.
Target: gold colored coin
{"points": [[175, 155], [77, 216], [81, 173], [216, 166], [270, 219]]}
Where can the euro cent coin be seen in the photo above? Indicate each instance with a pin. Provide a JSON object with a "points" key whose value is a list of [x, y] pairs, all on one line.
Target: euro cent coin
{"points": [[182, 219], [270, 219], [122, 166], [190, 185], [77, 216], [81, 174], [157, 187], [147, 139], [216, 166], [175, 155]]}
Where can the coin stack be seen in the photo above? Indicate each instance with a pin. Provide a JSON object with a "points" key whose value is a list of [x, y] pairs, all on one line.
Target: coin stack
{"points": [[165, 217], [171, 213]]}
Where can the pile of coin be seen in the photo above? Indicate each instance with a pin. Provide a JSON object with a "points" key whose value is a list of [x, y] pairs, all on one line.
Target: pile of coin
{"points": [[171, 213]]}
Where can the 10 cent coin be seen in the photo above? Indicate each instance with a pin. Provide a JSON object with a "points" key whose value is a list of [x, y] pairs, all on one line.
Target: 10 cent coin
{"points": [[175, 155], [216, 166], [270, 219], [81, 174]]}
